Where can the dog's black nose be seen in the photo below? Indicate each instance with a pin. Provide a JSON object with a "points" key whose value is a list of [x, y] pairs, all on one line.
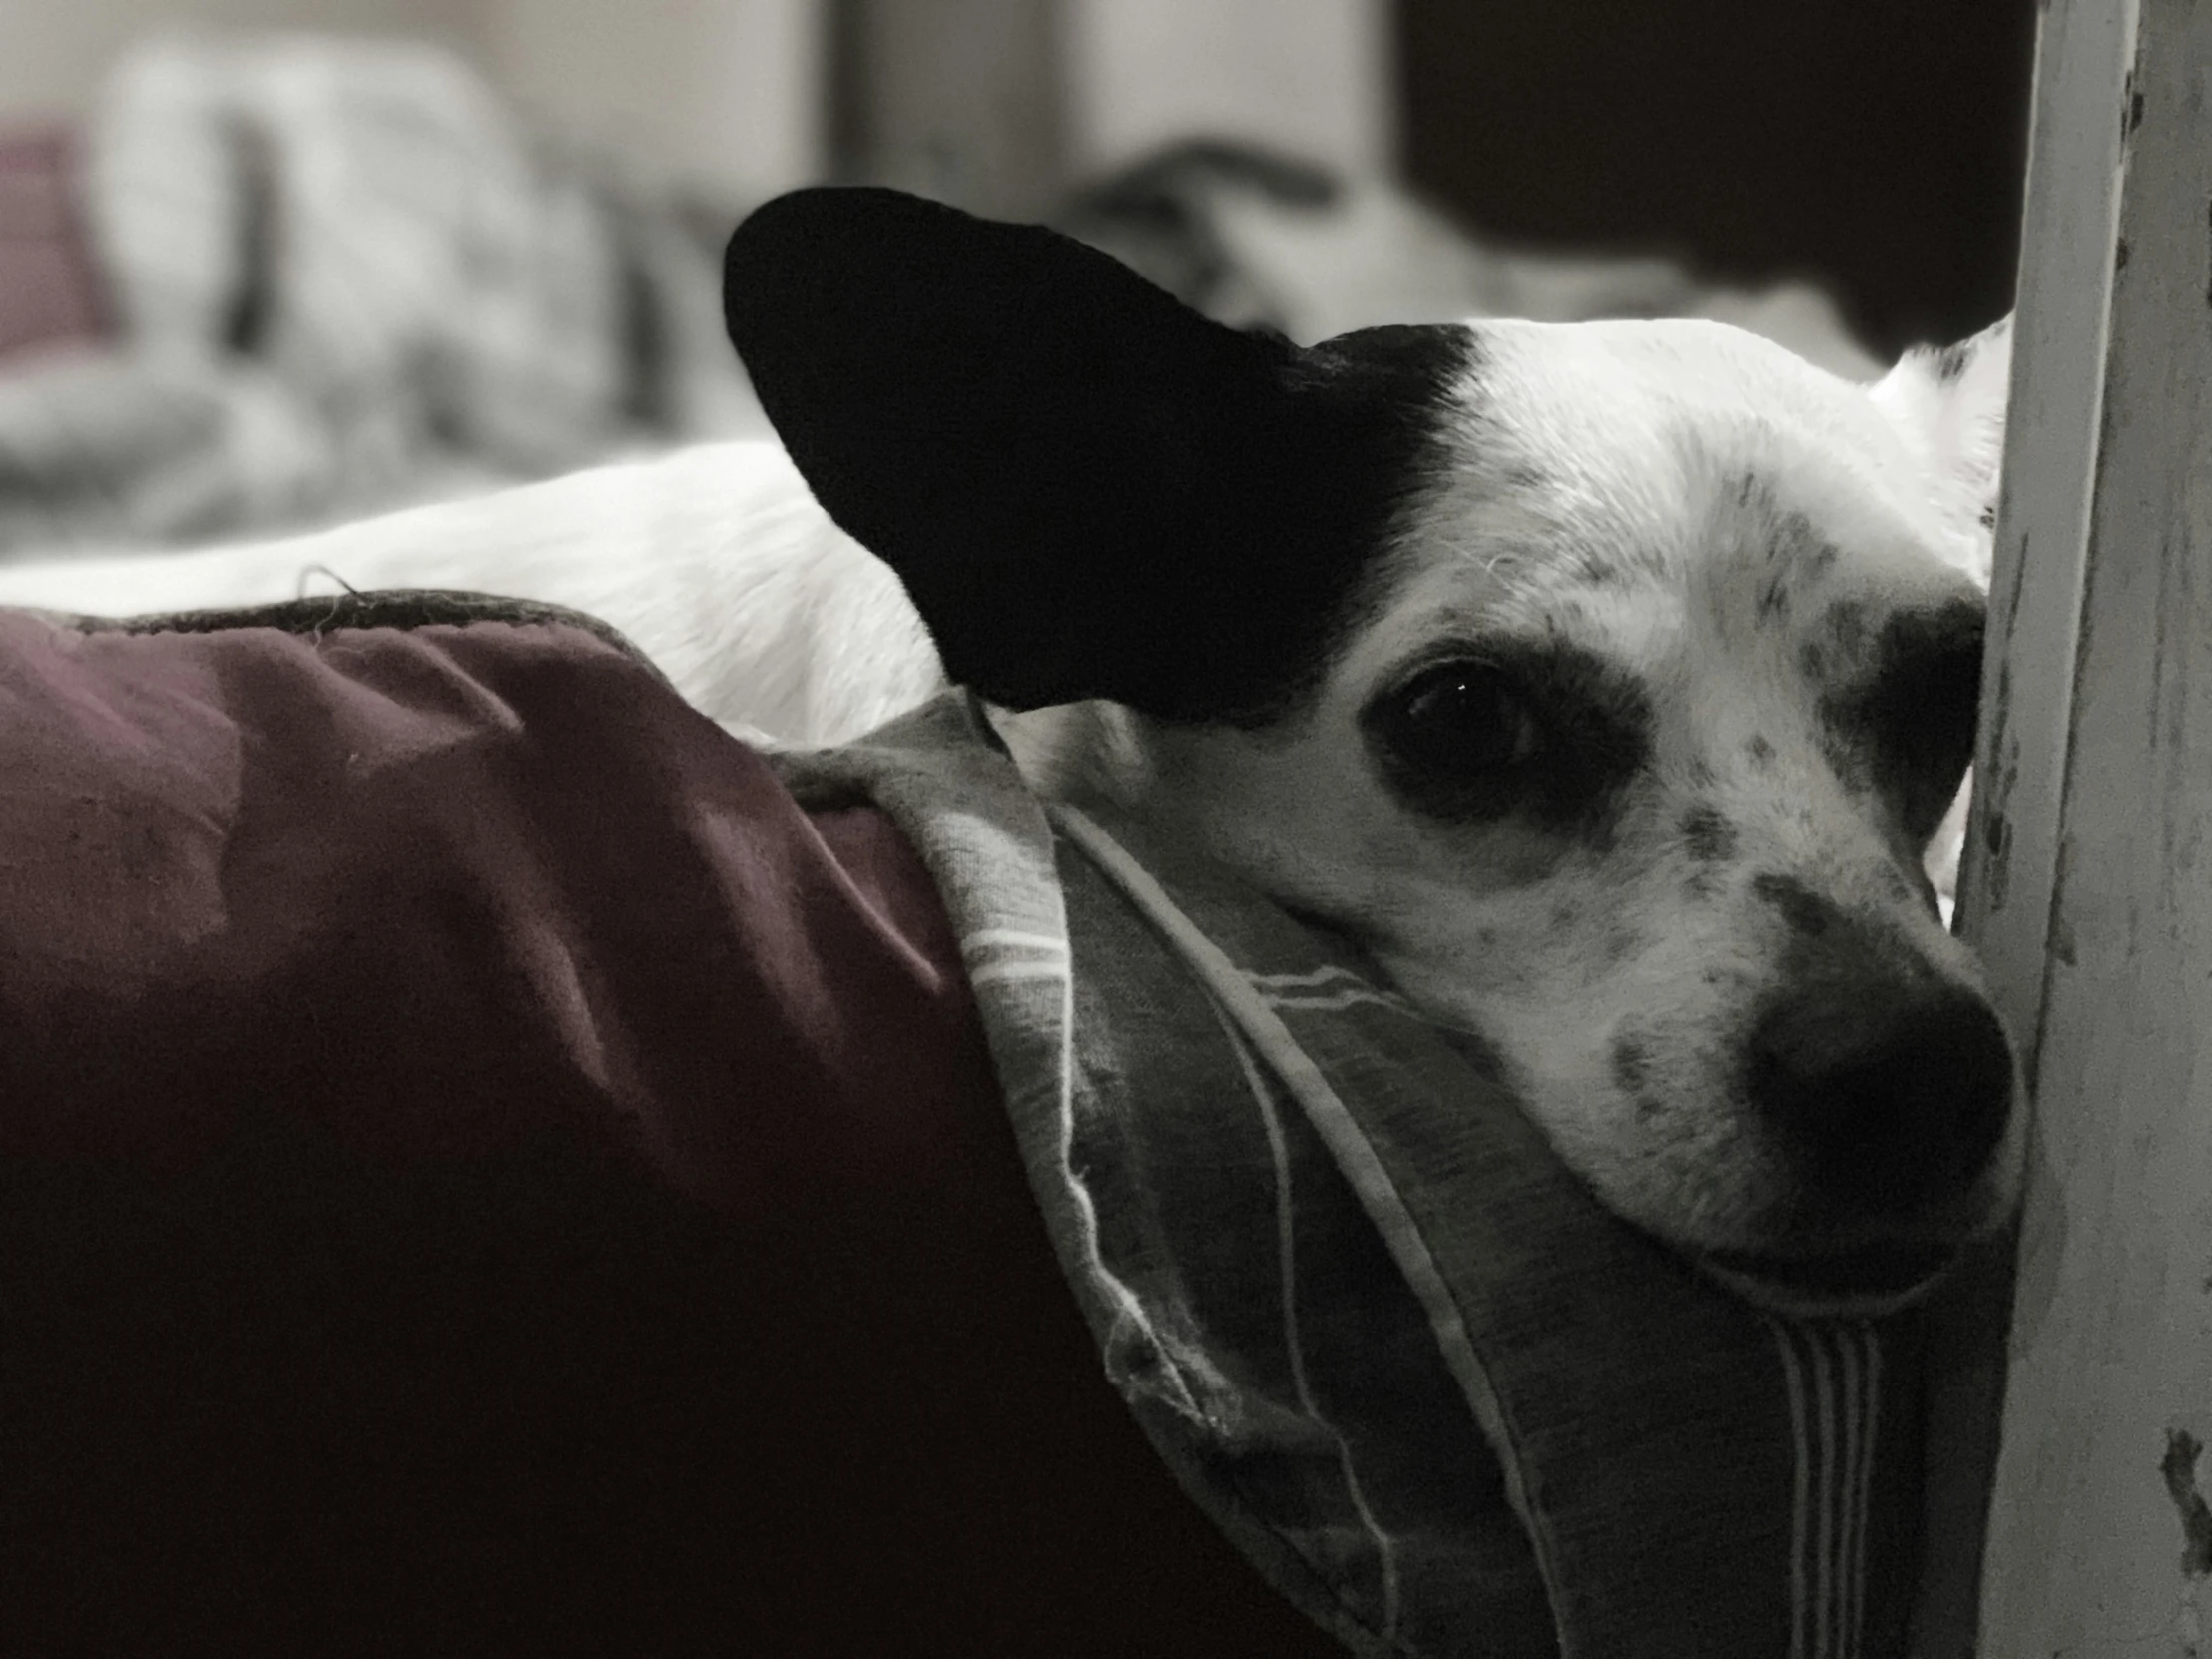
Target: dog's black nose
{"points": [[1892, 1090]]}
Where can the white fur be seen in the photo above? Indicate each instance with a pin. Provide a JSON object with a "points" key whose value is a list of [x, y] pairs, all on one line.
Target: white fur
{"points": [[715, 561]]}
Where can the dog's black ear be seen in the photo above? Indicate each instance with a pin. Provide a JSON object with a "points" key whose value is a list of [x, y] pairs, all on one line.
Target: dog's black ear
{"points": [[1088, 489]]}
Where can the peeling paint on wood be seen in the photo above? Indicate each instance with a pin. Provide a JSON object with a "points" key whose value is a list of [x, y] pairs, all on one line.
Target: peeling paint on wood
{"points": [[2178, 1468], [2085, 884]]}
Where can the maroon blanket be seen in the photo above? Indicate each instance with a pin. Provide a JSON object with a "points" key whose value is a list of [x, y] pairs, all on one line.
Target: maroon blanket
{"points": [[483, 1172]]}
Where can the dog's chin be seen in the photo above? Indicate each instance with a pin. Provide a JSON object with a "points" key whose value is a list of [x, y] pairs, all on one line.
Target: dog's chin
{"points": [[1860, 1281]]}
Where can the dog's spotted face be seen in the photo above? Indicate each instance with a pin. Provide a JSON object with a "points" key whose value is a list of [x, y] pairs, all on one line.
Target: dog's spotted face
{"points": [[1626, 763], [1605, 683]]}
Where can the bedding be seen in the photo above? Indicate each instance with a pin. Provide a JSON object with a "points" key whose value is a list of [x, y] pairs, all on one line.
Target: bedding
{"points": [[50, 296], [489, 1163], [483, 1172], [345, 277], [280, 281]]}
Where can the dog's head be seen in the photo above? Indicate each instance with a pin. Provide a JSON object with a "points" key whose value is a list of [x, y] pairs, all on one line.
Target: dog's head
{"points": [[1604, 682]]}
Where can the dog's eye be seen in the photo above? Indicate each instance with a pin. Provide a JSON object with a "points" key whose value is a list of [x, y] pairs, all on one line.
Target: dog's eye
{"points": [[1458, 721]]}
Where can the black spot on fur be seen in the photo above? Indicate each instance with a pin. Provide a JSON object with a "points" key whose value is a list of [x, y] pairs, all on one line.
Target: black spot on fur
{"points": [[1564, 915], [1599, 572], [1990, 516], [1953, 361], [1847, 758], [1846, 624], [1759, 750], [1774, 597], [1631, 1065], [1804, 912], [1915, 889], [1088, 489], [1708, 834], [1797, 555], [1905, 723]]}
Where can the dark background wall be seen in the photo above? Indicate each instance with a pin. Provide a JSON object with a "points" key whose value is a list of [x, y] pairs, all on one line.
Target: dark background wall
{"points": [[1878, 145]]}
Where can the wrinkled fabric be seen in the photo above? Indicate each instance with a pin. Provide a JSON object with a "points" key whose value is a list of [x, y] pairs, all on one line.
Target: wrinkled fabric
{"points": [[483, 1172], [1433, 1391]]}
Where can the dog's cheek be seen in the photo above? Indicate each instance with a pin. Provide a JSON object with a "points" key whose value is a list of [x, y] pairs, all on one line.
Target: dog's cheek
{"points": [[1656, 1147]]}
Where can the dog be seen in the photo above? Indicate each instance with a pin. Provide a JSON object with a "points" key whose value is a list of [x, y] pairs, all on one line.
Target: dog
{"points": [[1604, 682]]}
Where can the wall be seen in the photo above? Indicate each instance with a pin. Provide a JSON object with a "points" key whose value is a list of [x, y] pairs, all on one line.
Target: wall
{"points": [[733, 91], [1312, 77], [1877, 143], [718, 91]]}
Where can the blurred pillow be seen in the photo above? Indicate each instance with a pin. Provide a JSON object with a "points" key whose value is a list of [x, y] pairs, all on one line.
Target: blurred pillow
{"points": [[48, 285]]}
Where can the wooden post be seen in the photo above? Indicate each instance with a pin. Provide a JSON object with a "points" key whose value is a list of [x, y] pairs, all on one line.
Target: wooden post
{"points": [[963, 100], [2089, 887]]}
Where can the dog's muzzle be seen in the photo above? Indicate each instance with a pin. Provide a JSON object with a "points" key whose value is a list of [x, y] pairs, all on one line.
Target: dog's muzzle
{"points": [[1888, 1099]]}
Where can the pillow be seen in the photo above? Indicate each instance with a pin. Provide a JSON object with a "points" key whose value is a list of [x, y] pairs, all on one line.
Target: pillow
{"points": [[478, 1163]]}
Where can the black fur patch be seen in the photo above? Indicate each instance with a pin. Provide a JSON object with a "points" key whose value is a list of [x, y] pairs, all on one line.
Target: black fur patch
{"points": [[1797, 555], [1594, 570], [1631, 1065], [1774, 597], [1088, 489], [1804, 912], [1845, 621], [1905, 723], [1953, 361], [1708, 834]]}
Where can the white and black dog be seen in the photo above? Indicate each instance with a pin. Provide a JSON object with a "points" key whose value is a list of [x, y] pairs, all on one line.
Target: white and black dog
{"points": [[1607, 682]]}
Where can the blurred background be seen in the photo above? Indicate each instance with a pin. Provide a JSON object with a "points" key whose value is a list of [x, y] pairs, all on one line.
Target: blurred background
{"points": [[271, 263]]}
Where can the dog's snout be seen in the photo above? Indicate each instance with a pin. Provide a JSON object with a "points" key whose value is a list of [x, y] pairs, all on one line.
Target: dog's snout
{"points": [[1891, 1094]]}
